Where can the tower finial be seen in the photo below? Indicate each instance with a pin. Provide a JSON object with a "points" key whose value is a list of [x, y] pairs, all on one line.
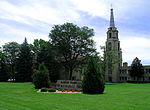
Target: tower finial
{"points": [[112, 23], [111, 6]]}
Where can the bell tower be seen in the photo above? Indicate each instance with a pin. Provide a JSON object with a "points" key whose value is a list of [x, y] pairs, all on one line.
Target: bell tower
{"points": [[113, 53]]}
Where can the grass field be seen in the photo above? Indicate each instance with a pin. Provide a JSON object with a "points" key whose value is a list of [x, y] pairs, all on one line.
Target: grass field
{"points": [[123, 96]]}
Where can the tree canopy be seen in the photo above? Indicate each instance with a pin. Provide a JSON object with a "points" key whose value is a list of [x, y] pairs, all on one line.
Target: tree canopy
{"points": [[24, 63], [74, 44], [43, 52], [11, 51], [3, 67], [93, 82], [137, 69]]}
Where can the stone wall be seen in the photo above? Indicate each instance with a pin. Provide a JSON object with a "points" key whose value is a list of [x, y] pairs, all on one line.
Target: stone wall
{"points": [[67, 84]]}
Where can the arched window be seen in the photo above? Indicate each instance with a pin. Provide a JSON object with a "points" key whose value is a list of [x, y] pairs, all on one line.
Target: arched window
{"points": [[110, 35], [118, 46], [109, 46]]}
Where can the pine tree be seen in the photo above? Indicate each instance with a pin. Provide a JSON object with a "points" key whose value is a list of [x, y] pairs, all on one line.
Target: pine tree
{"points": [[93, 82], [24, 64], [41, 77]]}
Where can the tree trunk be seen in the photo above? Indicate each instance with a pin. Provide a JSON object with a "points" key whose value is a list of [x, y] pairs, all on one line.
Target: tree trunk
{"points": [[13, 74], [70, 74]]}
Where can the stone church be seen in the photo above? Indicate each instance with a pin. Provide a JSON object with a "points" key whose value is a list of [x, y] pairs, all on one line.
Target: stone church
{"points": [[116, 71]]}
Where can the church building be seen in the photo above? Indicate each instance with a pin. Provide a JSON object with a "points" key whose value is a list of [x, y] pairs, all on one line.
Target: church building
{"points": [[115, 70]]}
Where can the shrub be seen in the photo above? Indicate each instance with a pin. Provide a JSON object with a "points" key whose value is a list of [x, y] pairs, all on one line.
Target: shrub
{"points": [[44, 89], [93, 82], [51, 90], [41, 77]]}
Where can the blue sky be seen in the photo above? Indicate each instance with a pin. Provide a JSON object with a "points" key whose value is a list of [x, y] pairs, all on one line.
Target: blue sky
{"points": [[34, 19]]}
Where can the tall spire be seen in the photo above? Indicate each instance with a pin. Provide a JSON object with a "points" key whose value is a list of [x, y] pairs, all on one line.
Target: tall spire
{"points": [[112, 23]]}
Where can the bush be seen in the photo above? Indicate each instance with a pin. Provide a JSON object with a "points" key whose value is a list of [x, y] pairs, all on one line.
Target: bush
{"points": [[41, 77], [44, 89], [51, 90], [93, 82]]}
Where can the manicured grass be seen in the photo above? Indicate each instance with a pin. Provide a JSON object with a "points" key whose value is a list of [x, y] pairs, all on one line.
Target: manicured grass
{"points": [[123, 96]]}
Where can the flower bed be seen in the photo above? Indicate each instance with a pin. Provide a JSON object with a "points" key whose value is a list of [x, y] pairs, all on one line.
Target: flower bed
{"points": [[51, 90]]}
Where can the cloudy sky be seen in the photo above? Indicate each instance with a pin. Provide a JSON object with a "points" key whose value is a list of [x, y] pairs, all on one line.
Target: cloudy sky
{"points": [[34, 19]]}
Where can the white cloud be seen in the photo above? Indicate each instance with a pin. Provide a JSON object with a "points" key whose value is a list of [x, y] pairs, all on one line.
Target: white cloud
{"points": [[101, 8], [93, 7], [35, 13], [19, 35], [136, 46], [43, 13], [39, 11]]}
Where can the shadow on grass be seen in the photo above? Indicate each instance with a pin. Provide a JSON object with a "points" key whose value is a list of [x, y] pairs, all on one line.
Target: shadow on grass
{"points": [[111, 84]]}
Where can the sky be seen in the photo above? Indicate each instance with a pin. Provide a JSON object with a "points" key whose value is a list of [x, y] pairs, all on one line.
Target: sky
{"points": [[34, 19]]}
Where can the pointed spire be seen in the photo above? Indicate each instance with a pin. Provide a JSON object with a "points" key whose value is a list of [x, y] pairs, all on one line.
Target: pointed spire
{"points": [[112, 23]]}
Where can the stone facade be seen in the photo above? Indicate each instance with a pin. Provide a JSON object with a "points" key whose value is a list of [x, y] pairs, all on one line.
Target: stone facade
{"points": [[125, 71], [113, 50], [116, 72]]}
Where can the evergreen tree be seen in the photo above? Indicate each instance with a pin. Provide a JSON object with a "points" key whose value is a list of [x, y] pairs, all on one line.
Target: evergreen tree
{"points": [[93, 82], [24, 64], [137, 69], [43, 52], [41, 77]]}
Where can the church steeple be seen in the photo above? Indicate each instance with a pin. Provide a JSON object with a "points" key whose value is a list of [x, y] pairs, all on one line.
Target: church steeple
{"points": [[113, 52], [112, 23]]}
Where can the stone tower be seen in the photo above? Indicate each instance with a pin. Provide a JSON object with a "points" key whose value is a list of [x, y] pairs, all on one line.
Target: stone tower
{"points": [[113, 53]]}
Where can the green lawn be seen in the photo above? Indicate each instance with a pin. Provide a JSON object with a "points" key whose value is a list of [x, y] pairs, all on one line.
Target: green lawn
{"points": [[123, 96]]}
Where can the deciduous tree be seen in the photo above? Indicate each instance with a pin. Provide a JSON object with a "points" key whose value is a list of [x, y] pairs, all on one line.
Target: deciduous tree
{"points": [[74, 44], [11, 51], [3, 67]]}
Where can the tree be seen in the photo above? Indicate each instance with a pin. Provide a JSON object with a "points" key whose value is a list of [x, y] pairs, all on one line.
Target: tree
{"points": [[36, 49], [74, 44], [41, 77], [11, 50], [137, 69], [3, 67], [24, 64], [43, 52], [93, 82]]}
